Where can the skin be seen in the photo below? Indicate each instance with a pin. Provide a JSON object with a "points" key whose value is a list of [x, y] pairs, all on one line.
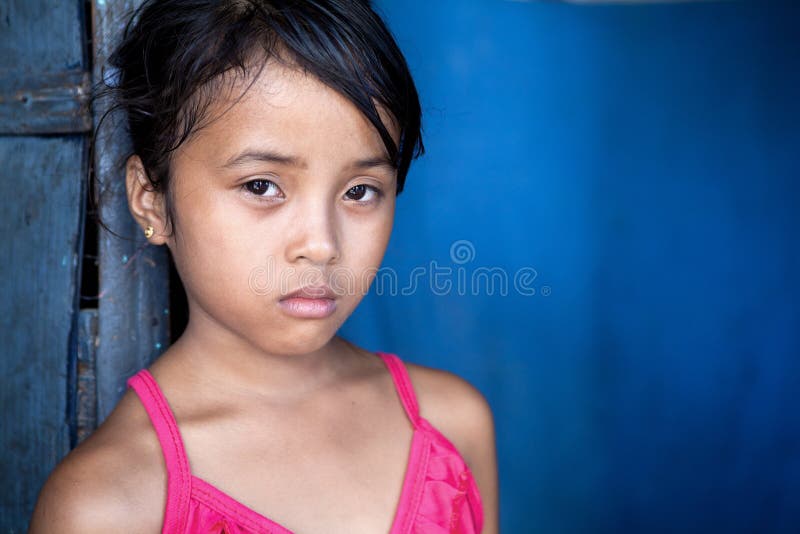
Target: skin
{"points": [[295, 422]]}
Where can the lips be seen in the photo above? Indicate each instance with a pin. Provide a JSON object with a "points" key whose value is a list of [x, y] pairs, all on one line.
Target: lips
{"points": [[310, 302], [312, 292]]}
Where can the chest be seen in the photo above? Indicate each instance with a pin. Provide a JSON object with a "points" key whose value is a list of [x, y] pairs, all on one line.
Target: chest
{"points": [[353, 467], [322, 486], [304, 473]]}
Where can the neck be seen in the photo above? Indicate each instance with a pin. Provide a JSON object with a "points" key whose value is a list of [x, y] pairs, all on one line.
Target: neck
{"points": [[214, 358]]}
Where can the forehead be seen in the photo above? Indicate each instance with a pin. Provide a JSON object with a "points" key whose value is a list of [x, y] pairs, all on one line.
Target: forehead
{"points": [[284, 106]]}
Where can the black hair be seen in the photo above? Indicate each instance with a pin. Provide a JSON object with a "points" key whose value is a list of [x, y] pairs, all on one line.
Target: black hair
{"points": [[173, 54]]}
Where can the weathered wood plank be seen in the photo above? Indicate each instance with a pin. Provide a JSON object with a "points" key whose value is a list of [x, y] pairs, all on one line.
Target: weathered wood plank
{"points": [[86, 390], [45, 103], [134, 278], [43, 57], [39, 36], [41, 222]]}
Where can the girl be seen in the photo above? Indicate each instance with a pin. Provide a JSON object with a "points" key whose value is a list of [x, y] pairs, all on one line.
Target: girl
{"points": [[271, 138]]}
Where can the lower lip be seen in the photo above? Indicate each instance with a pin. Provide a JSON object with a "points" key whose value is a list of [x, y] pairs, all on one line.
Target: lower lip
{"points": [[308, 308]]}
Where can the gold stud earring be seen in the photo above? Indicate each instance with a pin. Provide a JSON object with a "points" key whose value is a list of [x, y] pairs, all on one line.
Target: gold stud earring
{"points": [[148, 232]]}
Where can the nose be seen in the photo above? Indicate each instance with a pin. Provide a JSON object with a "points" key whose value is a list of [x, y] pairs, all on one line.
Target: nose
{"points": [[314, 235]]}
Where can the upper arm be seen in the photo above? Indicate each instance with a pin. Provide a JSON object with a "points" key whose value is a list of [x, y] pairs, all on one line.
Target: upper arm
{"points": [[114, 481], [79, 498], [481, 451], [92, 491], [464, 416]]}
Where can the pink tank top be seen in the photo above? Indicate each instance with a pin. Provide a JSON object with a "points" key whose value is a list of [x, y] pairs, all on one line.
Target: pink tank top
{"points": [[439, 494]]}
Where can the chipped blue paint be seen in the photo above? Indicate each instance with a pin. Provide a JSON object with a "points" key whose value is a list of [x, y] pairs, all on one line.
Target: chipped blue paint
{"points": [[41, 183], [140, 285], [38, 312], [110, 76]]}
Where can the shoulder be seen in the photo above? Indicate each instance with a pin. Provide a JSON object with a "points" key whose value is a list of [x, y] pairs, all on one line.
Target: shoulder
{"points": [[108, 483], [455, 407], [462, 414]]}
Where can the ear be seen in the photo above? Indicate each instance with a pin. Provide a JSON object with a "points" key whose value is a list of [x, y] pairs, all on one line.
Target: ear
{"points": [[146, 204]]}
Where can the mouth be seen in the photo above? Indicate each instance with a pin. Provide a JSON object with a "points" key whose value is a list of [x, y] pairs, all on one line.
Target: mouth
{"points": [[312, 292], [310, 302]]}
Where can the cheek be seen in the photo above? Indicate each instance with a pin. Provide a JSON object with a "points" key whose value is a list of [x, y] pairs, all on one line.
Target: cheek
{"points": [[217, 248], [363, 249]]}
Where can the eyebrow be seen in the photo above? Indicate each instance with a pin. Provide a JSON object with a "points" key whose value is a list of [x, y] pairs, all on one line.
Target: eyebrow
{"points": [[270, 156]]}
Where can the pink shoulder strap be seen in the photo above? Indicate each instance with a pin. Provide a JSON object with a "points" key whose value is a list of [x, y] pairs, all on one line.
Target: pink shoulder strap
{"points": [[178, 472], [402, 383]]}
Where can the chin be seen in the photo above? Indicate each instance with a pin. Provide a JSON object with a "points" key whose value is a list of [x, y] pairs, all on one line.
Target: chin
{"points": [[297, 342]]}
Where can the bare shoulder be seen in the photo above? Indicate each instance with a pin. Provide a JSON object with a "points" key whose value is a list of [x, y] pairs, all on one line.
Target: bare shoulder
{"points": [[109, 483], [461, 412], [454, 406]]}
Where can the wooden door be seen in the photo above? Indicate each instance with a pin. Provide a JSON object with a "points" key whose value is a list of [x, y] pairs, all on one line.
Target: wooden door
{"points": [[75, 302]]}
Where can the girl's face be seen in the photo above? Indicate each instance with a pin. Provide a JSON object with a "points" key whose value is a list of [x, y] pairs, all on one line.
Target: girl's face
{"points": [[288, 188]]}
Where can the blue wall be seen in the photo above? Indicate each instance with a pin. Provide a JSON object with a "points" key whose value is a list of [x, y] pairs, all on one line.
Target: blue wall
{"points": [[644, 161]]}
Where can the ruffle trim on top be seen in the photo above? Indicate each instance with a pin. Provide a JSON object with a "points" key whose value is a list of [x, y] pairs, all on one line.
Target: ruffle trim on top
{"points": [[450, 502]]}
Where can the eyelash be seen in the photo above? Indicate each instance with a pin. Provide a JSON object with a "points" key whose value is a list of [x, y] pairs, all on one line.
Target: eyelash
{"points": [[247, 190], [378, 192]]}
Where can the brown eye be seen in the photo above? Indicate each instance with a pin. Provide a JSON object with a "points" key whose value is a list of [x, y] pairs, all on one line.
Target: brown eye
{"points": [[359, 192], [262, 188]]}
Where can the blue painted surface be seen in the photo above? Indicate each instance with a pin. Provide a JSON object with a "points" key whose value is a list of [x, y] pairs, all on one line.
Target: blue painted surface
{"points": [[41, 249], [644, 161], [42, 195], [41, 36]]}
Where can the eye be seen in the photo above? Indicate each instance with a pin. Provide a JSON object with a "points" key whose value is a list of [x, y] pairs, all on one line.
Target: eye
{"points": [[361, 191], [263, 188]]}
